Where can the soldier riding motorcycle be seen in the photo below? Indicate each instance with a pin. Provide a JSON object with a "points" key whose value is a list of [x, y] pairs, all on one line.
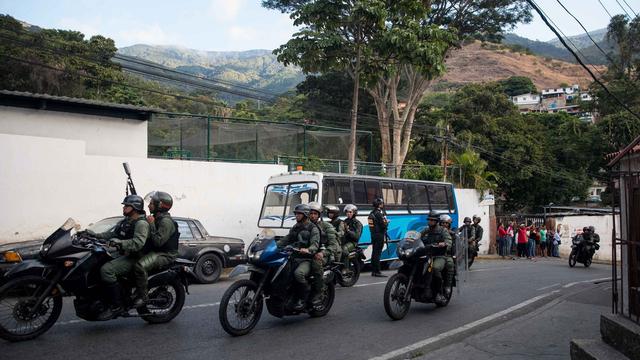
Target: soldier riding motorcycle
{"points": [[583, 247], [420, 277], [280, 277]]}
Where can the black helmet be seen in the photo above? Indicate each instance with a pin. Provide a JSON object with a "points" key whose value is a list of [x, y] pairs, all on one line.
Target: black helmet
{"points": [[586, 229], [301, 209], [161, 200], [332, 209], [476, 217], [592, 229], [467, 219], [314, 206], [433, 216], [135, 201], [377, 202]]}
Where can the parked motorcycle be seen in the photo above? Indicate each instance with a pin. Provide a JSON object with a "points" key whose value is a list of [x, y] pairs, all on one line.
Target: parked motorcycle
{"points": [[413, 281], [270, 282], [69, 265], [349, 276], [582, 251]]}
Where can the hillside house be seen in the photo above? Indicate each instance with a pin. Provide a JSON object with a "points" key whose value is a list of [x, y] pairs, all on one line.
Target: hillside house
{"points": [[527, 102]]}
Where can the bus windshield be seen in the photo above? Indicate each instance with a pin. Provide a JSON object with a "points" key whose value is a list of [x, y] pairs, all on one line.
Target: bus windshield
{"points": [[281, 199]]}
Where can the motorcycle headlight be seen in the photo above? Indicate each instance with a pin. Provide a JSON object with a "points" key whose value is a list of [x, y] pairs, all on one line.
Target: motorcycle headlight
{"points": [[255, 256]]}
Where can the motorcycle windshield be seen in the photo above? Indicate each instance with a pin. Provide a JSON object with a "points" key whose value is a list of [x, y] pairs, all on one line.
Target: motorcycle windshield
{"points": [[59, 241], [408, 246]]}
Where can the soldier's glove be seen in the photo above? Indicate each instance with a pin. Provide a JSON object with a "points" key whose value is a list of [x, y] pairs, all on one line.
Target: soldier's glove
{"points": [[116, 244], [86, 233]]}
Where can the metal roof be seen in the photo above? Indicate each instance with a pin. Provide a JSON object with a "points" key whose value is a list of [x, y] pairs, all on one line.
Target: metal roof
{"points": [[64, 103]]}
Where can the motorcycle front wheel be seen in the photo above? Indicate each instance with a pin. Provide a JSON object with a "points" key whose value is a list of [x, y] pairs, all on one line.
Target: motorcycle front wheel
{"points": [[236, 314], [18, 320], [352, 274], [165, 302], [394, 294], [587, 262], [328, 296], [573, 258]]}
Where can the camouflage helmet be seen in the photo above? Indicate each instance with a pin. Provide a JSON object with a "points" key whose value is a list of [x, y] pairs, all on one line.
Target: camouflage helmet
{"points": [[161, 200], [433, 216], [135, 201], [467, 219], [301, 209], [332, 209], [314, 206]]}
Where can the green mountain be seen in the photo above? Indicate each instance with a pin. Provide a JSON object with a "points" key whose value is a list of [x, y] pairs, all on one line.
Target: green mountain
{"points": [[254, 68], [555, 50]]}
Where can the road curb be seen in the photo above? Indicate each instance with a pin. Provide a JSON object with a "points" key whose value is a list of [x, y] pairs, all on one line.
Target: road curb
{"points": [[497, 257]]}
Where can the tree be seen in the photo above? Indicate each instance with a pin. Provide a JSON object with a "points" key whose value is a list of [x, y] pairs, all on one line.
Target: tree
{"points": [[474, 171], [332, 39], [518, 85], [405, 51]]}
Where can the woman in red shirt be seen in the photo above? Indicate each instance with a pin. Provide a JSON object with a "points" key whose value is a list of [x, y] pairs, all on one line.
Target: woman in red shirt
{"points": [[522, 241], [502, 238]]}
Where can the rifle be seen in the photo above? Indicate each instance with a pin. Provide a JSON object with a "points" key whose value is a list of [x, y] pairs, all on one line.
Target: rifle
{"points": [[130, 189]]}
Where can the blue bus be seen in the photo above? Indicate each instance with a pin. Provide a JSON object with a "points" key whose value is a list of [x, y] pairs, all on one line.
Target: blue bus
{"points": [[407, 202]]}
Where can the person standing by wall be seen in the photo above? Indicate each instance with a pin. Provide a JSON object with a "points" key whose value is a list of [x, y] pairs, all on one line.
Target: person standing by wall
{"points": [[543, 241], [511, 243], [522, 241]]}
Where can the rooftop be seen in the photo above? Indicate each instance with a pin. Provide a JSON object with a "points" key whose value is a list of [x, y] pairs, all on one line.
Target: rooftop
{"points": [[74, 105]]}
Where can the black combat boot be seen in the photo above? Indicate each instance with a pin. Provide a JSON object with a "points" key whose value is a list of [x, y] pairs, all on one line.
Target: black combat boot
{"points": [[302, 291], [113, 294]]}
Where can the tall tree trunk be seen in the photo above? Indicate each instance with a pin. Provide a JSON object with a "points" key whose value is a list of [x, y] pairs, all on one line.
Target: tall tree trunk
{"points": [[354, 116]]}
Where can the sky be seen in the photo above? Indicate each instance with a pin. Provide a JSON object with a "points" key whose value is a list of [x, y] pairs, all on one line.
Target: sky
{"points": [[228, 25]]}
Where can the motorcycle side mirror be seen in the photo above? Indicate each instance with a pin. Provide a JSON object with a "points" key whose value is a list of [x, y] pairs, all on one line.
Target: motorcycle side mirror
{"points": [[127, 170]]}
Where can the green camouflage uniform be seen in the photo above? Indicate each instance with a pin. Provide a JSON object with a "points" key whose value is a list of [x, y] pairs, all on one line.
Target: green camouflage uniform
{"points": [[353, 230], [340, 227], [160, 250], [302, 235], [133, 235], [433, 236], [329, 247]]}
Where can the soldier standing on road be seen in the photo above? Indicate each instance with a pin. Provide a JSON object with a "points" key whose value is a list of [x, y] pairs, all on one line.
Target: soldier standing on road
{"points": [[328, 249], [352, 232], [478, 232], [378, 227], [436, 235], [445, 222], [306, 238], [467, 233], [129, 237], [162, 247]]}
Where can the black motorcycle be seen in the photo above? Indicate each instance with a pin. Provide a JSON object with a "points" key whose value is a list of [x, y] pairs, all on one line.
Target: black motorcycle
{"points": [[582, 251], [69, 265], [413, 281], [349, 276], [271, 283]]}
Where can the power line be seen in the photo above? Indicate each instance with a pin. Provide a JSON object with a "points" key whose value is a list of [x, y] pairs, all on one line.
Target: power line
{"points": [[605, 9], [623, 9], [537, 9], [630, 8]]}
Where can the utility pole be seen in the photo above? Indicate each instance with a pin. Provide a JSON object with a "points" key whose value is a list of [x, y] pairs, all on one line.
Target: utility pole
{"points": [[445, 153]]}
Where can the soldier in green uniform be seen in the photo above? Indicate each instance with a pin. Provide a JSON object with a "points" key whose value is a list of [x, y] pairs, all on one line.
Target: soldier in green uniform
{"points": [[353, 230], [333, 213], [326, 253], [437, 235], [445, 222], [161, 249], [304, 236], [129, 237]]}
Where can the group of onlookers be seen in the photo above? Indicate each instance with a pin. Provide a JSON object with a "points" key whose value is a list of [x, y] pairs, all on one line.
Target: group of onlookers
{"points": [[527, 241]]}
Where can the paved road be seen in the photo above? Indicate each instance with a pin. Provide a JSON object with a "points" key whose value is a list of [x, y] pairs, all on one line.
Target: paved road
{"points": [[356, 328]]}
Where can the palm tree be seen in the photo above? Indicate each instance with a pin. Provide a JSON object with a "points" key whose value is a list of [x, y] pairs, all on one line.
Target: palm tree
{"points": [[474, 171]]}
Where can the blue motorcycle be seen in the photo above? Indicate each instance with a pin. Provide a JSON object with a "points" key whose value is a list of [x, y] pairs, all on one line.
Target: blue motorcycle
{"points": [[270, 282]]}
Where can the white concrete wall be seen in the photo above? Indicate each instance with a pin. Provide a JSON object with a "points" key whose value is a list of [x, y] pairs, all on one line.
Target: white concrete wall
{"points": [[572, 225], [103, 135], [468, 205], [44, 181]]}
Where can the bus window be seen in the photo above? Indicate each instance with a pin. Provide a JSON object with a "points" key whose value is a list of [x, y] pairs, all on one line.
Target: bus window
{"points": [[387, 193], [336, 191], [373, 190], [399, 190], [359, 192], [281, 199], [438, 196], [417, 194], [452, 202]]}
